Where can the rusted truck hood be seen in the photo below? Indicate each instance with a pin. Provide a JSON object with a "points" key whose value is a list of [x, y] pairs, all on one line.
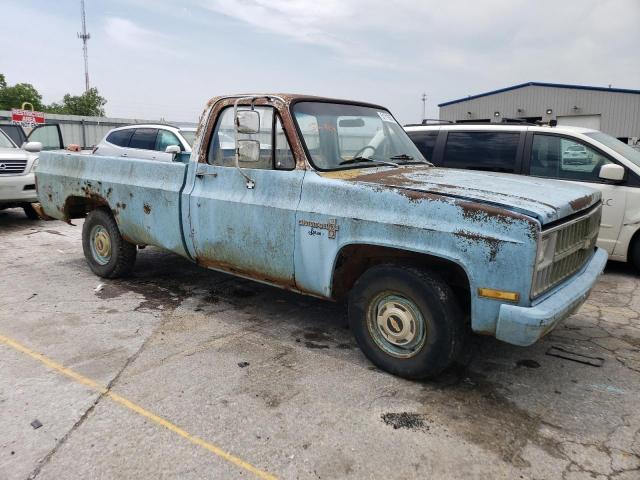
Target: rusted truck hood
{"points": [[545, 200]]}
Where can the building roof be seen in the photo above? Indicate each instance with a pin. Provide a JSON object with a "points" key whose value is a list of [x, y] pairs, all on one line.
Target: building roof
{"points": [[541, 84]]}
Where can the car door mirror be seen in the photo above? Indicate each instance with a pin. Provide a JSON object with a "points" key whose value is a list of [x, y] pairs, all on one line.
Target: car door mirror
{"points": [[248, 121], [248, 151], [612, 172], [172, 149], [33, 147]]}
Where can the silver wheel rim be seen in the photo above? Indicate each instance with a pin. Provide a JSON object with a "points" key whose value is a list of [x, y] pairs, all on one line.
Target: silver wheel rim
{"points": [[100, 243], [396, 325]]}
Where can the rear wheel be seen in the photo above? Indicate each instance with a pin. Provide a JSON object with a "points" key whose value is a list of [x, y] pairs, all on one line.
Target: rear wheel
{"points": [[30, 212], [406, 320], [108, 254]]}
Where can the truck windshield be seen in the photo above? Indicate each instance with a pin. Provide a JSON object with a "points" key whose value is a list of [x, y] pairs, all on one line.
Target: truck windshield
{"points": [[617, 146], [339, 136]]}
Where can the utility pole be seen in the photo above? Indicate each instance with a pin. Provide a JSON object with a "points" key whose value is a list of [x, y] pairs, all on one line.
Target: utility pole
{"points": [[424, 106], [84, 36]]}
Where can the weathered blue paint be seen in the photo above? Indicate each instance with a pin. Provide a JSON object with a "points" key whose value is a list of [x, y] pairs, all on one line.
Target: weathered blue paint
{"points": [[524, 326], [146, 209], [292, 228]]}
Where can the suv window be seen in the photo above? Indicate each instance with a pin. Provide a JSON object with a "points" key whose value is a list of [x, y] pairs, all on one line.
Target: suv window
{"points": [[425, 141], [144, 138], [553, 156], [492, 151], [166, 138], [222, 146], [120, 137]]}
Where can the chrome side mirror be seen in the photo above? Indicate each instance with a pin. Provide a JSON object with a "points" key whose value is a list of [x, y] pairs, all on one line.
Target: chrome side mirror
{"points": [[248, 121], [33, 147], [248, 151], [612, 171]]}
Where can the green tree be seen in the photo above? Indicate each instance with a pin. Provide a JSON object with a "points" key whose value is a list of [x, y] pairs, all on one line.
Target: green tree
{"points": [[90, 103], [14, 96]]}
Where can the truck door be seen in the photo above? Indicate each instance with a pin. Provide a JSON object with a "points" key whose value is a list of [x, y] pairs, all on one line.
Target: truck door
{"points": [[247, 231]]}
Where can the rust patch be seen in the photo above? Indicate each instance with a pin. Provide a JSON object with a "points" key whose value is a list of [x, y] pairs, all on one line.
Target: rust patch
{"points": [[288, 284], [581, 203], [493, 244], [147, 208]]}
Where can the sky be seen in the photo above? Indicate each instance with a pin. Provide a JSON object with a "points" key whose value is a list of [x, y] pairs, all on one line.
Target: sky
{"points": [[154, 59]]}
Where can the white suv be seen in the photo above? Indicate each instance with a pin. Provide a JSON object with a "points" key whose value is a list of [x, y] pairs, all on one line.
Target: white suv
{"points": [[17, 165], [572, 154], [149, 142]]}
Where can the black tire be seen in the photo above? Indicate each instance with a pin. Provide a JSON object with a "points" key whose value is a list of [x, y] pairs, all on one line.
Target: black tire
{"points": [[634, 252], [444, 330], [122, 254], [30, 212]]}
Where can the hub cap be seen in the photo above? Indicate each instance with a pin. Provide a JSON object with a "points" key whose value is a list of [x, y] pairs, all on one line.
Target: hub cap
{"points": [[100, 245], [396, 325]]}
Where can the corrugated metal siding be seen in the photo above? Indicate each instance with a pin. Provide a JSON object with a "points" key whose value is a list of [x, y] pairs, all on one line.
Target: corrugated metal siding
{"points": [[620, 112], [88, 131]]}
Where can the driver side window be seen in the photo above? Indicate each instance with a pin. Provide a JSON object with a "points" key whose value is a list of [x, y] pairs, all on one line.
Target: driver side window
{"points": [[553, 156]]}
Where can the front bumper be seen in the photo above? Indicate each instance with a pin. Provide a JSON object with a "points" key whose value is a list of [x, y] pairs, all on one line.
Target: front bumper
{"points": [[525, 325], [12, 189]]}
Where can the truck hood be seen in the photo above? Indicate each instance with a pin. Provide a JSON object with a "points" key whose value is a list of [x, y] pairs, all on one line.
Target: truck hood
{"points": [[545, 200]]}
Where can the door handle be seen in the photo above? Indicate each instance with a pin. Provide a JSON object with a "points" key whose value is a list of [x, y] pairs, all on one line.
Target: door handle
{"points": [[206, 174], [124, 155]]}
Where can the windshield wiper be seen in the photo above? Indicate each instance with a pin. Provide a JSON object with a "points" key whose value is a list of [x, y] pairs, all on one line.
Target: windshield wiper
{"points": [[365, 159], [407, 158]]}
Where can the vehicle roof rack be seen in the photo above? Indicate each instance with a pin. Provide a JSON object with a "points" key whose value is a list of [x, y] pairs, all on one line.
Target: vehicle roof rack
{"points": [[429, 121]]}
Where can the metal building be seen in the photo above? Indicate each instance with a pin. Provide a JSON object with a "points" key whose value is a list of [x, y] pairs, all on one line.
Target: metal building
{"points": [[615, 111]]}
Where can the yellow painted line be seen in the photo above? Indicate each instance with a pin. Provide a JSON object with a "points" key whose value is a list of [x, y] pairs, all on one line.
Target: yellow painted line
{"points": [[87, 382]]}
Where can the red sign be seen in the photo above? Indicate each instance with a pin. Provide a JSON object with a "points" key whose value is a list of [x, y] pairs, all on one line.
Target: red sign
{"points": [[26, 118]]}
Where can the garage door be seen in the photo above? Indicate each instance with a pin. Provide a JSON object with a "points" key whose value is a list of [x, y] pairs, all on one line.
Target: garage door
{"points": [[586, 121]]}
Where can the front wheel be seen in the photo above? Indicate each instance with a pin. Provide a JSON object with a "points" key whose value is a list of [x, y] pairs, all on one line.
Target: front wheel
{"points": [[634, 252], [30, 212], [108, 254], [406, 320]]}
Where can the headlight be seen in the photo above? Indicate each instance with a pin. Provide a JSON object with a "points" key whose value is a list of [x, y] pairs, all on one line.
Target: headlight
{"points": [[546, 250], [34, 165]]}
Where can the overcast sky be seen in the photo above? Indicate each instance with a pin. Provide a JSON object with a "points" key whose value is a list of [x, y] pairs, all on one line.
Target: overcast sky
{"points": [[155, 58]]}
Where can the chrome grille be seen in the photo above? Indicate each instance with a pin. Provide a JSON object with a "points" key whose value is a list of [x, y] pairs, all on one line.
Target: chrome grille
{"points": [[11, 167], [575, 242]]}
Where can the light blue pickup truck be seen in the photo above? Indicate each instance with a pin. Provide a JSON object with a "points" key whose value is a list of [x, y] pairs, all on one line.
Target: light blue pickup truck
{"points": [[330, 198]]}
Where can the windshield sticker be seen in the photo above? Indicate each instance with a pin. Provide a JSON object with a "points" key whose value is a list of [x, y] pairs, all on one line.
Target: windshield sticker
{"points": [[386, 117]]}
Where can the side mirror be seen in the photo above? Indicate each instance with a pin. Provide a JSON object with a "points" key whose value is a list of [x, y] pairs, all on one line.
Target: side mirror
{"points": [[248, 151], [173, 149], [248, 121], [612, 172], [33, 147]]}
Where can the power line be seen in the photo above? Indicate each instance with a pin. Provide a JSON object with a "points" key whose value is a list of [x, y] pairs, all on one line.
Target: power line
{"points": [[84, 36]]}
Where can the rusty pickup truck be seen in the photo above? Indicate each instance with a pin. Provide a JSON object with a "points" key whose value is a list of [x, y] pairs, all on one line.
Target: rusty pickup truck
{"points": [[330, 198]]}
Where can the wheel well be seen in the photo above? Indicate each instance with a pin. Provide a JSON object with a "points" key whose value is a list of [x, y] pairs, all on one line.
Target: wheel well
{"points": [[78, 207], [354, 260]]}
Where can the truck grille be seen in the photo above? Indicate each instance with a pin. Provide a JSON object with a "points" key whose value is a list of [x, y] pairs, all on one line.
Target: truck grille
{"points": [[11, 167], [575, 242]]}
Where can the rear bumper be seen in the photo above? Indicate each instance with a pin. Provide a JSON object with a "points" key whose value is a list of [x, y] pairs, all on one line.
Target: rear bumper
{"points": [[18, 189], [525, 325]]}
